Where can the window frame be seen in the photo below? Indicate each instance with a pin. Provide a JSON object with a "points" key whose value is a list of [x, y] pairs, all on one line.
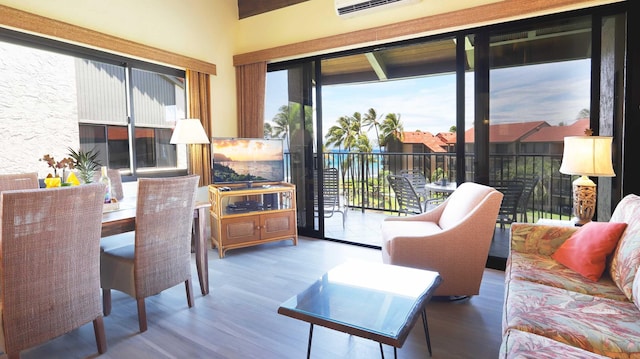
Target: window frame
{"points": [[128, 63]]}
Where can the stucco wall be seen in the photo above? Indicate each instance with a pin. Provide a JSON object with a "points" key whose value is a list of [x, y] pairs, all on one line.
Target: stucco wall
{"points": [[202, 29], [33, 98]]}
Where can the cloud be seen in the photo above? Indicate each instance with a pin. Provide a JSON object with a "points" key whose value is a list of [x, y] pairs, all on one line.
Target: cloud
{"points": [[553, 92]]}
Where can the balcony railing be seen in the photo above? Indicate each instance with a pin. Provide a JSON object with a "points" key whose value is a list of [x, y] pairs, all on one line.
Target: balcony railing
{"points": [[364, 186]]}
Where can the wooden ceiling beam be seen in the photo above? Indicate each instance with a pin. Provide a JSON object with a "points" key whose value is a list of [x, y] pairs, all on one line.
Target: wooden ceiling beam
{"points": [[378, 65]]}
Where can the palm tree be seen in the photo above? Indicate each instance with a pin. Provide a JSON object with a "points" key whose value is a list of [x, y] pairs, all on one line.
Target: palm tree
{"points": [[391, 129], [268, 130], [371, 119], [282, 123], [341, 135], [287, 120]]}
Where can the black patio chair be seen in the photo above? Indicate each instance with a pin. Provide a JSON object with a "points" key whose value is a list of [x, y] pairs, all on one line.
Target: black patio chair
{"points": [[512, 191]]}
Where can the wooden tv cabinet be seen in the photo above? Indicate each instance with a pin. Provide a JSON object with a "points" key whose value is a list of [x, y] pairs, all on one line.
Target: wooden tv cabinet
{"points": [[243, 216]]}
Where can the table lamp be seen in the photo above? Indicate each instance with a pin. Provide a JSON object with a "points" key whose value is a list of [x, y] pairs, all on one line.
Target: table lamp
{"points": [[189, 131], [586, 156]]}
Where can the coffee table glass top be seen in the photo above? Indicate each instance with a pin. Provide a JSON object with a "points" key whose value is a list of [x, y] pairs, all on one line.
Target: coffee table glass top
{"points": [[372, 300]]}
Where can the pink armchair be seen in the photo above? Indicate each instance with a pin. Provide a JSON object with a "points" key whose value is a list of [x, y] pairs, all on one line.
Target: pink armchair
{"points": [[452, 239]]}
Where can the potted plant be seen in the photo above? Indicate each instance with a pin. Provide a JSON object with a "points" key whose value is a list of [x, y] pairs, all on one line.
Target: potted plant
{"points": [[86, 163]]}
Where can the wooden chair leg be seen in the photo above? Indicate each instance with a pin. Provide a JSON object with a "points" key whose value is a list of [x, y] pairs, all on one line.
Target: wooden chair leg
{"points": [[101, 339], [142, 315], [106, 302], [189, 289]]}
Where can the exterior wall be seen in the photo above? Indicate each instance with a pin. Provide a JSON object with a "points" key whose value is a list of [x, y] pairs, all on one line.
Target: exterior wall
{"points": [[43, 103], [202, 29]]}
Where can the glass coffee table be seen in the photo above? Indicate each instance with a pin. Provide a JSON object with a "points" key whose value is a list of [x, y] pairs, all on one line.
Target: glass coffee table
{"points": [[375, 301]]}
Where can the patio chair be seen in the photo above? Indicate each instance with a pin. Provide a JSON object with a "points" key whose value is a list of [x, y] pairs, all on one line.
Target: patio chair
{"points": [[50, 264], [418, 180], [15, 181], [419, 183], [158, 256], [331, 195], [530, 184], [453, 239], [512, 191], [409, 202]]}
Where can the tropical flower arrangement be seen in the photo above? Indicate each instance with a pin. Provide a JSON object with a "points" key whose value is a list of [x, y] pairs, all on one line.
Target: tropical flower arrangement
{"points": [[83, 162], [57, 165]]}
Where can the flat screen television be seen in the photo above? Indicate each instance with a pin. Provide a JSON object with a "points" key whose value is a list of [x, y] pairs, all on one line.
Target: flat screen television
{"points": [[247, 160]]}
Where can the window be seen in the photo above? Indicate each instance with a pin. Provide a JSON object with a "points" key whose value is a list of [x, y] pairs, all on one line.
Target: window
{"points": [[57, 96]]}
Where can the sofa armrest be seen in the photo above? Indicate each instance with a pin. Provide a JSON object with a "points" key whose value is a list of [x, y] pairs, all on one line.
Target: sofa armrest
{"points": [[537, 238]]}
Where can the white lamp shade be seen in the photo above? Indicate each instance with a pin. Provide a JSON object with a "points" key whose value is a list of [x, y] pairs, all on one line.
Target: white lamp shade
{"points": [[587, 156], [188, 131]]}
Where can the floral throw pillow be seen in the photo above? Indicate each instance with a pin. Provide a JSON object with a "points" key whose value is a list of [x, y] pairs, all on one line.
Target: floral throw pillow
{"points": [[587, 249]]}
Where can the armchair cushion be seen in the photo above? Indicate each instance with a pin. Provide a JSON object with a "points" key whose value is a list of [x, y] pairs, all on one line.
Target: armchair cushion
{"points": [[587, 249], [461, 202]]}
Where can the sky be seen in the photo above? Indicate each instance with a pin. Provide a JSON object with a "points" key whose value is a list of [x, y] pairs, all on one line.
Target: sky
{"points": [[554, 92]]}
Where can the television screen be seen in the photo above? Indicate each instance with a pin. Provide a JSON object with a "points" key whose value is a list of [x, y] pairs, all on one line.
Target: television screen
{"points": [[247, 159]]}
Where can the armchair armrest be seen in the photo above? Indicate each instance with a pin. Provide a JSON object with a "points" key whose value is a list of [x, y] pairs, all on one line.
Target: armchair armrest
{"points": [[538, 239], [429, 216]]}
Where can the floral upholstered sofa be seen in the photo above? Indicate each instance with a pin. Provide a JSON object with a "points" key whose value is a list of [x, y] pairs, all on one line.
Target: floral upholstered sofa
{"points": [[552, 311]]}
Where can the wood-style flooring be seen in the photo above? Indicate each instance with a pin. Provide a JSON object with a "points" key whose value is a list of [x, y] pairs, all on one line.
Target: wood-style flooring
{"points": [[239, 319]]}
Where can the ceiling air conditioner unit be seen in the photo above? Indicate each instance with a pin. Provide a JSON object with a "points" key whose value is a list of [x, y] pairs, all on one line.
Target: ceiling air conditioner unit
{"points": [[348, 8]]}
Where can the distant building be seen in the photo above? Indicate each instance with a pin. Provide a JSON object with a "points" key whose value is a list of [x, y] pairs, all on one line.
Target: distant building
{"points": [[537, 137]]}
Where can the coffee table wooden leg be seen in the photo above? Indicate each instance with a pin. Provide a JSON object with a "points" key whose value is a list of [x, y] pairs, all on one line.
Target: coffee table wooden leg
{"points": [[426, 329], [310, 337]]}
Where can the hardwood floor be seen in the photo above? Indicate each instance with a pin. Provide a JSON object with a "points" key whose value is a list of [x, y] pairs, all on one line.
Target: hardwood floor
{"points": [[238, 319]]}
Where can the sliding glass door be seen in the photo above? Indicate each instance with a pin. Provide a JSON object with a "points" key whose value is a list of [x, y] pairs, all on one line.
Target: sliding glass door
{"points": [[290, 115]]}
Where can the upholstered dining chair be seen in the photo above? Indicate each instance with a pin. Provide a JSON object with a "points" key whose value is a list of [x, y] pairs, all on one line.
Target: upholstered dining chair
{"points": [[50, 265], [158, 255], [15, 181], [452, 239]]}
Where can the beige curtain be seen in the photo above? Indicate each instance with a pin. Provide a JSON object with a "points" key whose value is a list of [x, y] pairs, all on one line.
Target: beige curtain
{"points": [[199, 90], [250, 92]]}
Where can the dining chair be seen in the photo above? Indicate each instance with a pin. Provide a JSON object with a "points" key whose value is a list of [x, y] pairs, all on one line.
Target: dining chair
{"points": [[50, 260], [15, 181], [158, 255]]}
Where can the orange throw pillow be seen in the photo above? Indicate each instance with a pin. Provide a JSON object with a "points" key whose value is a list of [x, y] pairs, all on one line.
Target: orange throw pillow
{"points": [[587, 249]]}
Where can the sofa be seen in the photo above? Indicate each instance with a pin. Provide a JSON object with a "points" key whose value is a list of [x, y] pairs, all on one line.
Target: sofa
{"points": [[553, 309]]}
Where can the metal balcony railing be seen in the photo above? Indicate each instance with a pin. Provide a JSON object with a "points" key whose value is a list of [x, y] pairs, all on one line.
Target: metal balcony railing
{"points": [[364, 186]]}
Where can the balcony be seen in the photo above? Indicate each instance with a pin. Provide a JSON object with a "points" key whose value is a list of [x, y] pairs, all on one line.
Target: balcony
{"points": [[369, 197]]}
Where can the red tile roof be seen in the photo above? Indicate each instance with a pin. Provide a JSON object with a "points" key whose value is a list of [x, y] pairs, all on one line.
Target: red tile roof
{"points": [[558, 133], [538, 131], [447, 137], [507, 132], [433, 143]]}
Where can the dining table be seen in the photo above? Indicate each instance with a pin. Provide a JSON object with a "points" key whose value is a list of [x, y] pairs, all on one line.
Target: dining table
{"points": [[123, 219]]}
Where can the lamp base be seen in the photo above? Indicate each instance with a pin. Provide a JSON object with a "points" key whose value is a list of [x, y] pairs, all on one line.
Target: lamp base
{"points": [[584, 200]]}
